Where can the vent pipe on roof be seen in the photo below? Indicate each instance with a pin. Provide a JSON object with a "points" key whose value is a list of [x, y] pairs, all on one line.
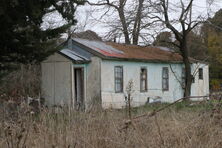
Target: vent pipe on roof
{"points": [[70, 43]]}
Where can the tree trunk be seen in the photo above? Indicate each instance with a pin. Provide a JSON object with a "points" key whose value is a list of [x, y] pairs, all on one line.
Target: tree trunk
{"points": [[186, 61], [187, 91], [136, 28], [124, 25]]}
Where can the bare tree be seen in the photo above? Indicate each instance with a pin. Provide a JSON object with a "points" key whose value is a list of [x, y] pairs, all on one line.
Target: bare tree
{"points": [[131, 19], [137, 23], [180, 27], [119, 7]]}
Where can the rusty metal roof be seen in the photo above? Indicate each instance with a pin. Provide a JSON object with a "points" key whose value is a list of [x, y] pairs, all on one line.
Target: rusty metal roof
{"points": [[150, 53], [100, 47], [130, 52]]}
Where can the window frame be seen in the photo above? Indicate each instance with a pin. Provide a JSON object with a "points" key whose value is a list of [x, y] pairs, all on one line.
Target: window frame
{"points": [[200, 73], [116, 78], [167, 78], [141, 79]]}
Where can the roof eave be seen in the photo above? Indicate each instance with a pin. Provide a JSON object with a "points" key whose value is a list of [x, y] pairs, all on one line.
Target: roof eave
{"points": [[140, 60], [74, 61], [88, 49]]}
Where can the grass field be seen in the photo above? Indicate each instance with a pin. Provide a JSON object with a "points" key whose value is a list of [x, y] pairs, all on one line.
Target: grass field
{"points": [[183, 125]]}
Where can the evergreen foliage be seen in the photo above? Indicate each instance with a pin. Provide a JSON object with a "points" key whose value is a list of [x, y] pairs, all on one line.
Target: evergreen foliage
{"points": [[212, 34], [22, 40]]}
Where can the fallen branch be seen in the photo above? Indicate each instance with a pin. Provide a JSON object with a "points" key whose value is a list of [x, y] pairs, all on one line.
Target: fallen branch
{"points": [[148, 115]]}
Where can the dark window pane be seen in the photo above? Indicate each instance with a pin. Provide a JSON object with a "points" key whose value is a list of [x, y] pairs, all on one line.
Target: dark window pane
{"points": [[165, 79], [201, 73], [143, 79], [118, 79]]}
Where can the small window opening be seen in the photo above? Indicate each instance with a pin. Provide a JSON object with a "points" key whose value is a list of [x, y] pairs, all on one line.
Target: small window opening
{"points": [[143, 80], [118, 79], [201, 73], [165, 79]]}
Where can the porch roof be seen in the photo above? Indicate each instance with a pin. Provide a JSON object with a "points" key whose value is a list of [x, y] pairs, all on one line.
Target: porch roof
{"points": [[71, 54]]}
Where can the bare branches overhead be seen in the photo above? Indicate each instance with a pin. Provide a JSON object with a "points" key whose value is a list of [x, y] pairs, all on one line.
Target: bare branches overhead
{"points": [[119, 6], [181, 26], [130, 20]]}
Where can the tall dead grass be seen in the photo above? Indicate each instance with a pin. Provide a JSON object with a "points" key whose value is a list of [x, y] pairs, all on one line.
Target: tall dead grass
{"points": [[100, 129], [21, 83]]}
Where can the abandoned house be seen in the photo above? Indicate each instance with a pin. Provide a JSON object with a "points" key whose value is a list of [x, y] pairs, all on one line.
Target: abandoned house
{"points": [[85, 72]]}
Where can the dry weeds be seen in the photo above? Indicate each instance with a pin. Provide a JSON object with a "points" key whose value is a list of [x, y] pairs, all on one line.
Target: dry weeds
{"points": [[99, 129]]}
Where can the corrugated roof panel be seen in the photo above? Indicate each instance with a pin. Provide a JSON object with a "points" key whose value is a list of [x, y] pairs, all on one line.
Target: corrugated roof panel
{"points": [[73, 55], [101, 47], [149, 53], [130, 52]]}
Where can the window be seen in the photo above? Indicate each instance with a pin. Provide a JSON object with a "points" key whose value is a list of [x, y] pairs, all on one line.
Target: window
{"points": [[143, 80], [118, 79], [201, 73], [165, 79], [183, 78]]}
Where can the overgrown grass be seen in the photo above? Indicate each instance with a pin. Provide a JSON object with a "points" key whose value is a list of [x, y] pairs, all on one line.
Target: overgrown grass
{"points": [[184, 125], [189, 106]]}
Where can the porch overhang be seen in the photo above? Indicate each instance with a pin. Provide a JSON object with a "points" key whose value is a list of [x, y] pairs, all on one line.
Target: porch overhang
{"points": [[73, 56]]}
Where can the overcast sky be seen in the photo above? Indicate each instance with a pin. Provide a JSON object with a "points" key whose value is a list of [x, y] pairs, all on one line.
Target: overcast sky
{"points": [[200, 7], [89, 21]]}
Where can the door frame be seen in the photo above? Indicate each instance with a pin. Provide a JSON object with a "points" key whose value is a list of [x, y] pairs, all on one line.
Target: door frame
{"points": [[82, 107]]}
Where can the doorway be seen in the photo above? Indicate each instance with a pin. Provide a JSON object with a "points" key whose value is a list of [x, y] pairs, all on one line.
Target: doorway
{"points": [[79, 88]]}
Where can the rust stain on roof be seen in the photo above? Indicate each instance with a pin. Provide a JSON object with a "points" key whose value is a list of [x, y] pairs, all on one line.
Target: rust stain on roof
{"points": [[145, 53], [130, 52], [110, 54]]}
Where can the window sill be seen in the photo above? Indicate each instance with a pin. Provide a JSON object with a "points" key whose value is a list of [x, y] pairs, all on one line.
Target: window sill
{"points": [[118, 92], [143, 91], [165, 89]]}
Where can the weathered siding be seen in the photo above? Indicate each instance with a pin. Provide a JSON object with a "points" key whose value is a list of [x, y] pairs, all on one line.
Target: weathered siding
{"points": [[56, 80], [131, 70]]}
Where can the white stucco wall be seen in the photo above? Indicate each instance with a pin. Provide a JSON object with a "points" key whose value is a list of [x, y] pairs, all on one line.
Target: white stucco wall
{"points": [[201, 86], [131, 70]]}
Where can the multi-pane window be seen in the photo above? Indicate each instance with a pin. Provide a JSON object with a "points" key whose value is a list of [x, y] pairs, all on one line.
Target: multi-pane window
{"points": [[165, 79], [118, 79], [200, 73], [143, 79], [183, 82]]}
